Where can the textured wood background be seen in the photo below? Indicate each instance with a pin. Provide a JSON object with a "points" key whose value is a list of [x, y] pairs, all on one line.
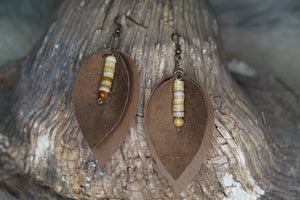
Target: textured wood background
{"points": [[42, 138]]}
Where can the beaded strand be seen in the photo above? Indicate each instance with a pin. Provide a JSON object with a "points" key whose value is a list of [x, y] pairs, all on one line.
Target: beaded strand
{"points": [[108, 76], [178, 103]]}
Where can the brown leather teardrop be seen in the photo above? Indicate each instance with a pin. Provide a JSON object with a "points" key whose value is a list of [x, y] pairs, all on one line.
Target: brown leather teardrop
{"points": [[105, 126], [179, 154]]}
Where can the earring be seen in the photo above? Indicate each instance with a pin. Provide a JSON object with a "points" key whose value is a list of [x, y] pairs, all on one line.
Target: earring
{"points": [[106, 94], [178, 124]]}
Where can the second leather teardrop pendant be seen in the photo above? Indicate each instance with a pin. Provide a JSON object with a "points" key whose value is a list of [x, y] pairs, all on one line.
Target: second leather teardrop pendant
{"points": [[178, 154], [178, 126]]}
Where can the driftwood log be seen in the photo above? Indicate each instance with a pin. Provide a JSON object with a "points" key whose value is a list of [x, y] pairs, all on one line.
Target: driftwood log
{"points": [[41, 137]]}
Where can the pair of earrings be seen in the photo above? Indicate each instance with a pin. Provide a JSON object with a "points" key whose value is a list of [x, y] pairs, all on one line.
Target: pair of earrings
{"points": [[178, 115]]}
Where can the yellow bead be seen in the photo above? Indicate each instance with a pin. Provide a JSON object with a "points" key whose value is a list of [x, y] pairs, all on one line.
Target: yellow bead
{"points": [[178, 82], [178, 121]]}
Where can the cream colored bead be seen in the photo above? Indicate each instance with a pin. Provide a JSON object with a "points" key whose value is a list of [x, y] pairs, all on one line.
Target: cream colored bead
{"points": [[108, 75], [178, 102]]}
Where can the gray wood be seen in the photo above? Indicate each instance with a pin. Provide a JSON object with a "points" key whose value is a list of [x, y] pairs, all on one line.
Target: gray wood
{"points": [[42, 138]]}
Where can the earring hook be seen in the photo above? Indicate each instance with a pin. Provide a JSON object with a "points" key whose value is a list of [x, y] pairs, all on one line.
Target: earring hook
{"points": [[119, 25], [176, 40], [117, 32], [175, 37]]}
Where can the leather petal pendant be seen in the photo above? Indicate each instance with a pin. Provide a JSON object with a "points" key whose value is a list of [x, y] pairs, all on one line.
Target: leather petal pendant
{"points": [[105, 126], [179, 154]]}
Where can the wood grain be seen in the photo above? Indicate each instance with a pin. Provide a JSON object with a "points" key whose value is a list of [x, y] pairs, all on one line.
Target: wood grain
{"points": [[43, 140]]}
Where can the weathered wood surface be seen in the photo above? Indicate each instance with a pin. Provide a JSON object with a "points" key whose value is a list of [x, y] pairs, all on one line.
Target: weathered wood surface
{"points": [[15, 187], [42, 137]]}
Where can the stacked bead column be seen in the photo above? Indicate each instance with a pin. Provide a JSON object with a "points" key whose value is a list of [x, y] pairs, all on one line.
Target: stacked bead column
{"points": [[108, 76], [178, 103]]}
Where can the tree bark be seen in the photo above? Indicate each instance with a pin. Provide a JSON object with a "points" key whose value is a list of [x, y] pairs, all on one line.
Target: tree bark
{"points": [[42, 137]]}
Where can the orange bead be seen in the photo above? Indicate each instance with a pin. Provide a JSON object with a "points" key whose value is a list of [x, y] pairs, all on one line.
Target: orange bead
{"points": [[106, 78], [102, 94]]}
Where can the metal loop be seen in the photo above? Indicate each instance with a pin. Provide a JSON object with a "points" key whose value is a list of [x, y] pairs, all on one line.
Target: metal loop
{"points": [[179, 73], [100, 101]]}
